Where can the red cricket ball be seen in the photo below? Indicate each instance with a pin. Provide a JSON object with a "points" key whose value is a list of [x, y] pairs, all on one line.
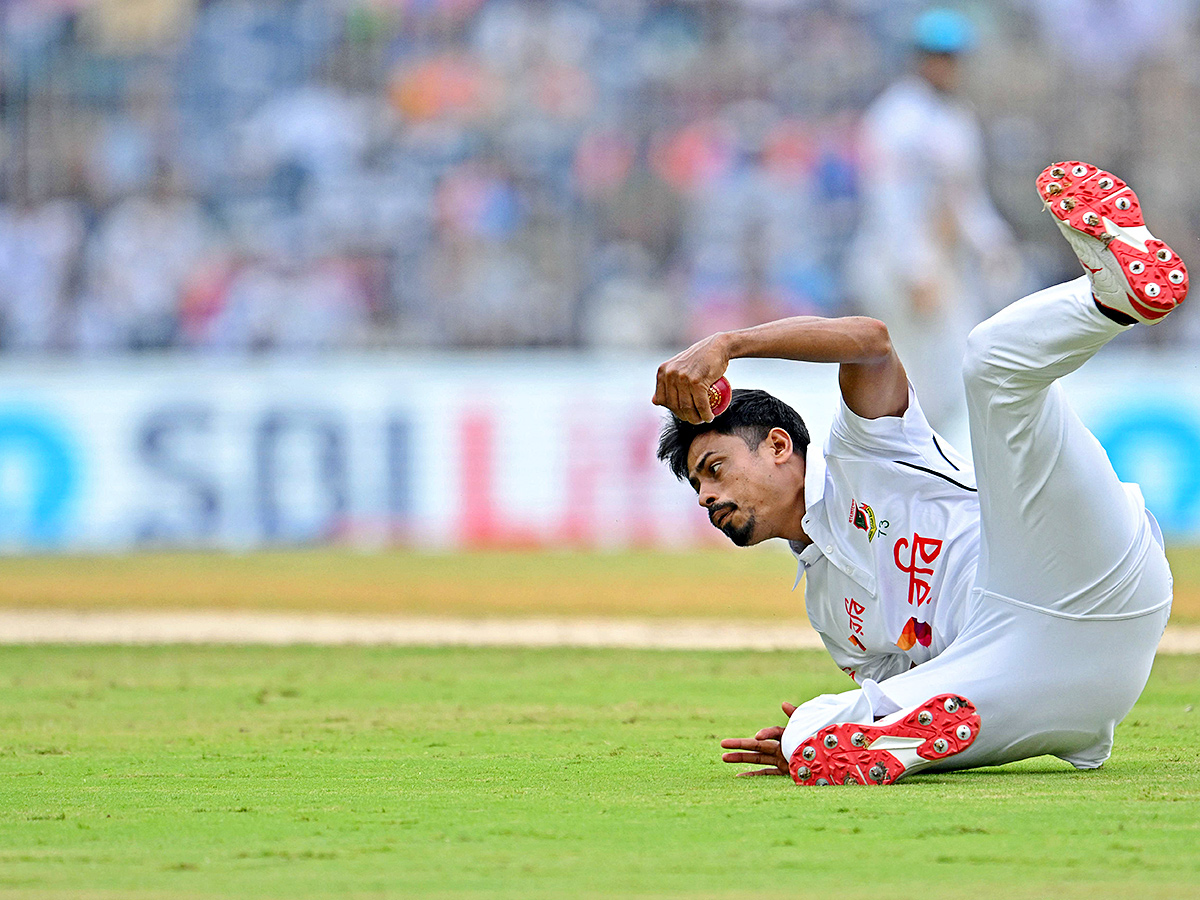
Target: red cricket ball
{"points": [[719, 395]]}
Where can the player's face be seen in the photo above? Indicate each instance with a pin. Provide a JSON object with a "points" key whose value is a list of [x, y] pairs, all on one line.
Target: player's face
{"points": [[942, 70], [738, 485]]}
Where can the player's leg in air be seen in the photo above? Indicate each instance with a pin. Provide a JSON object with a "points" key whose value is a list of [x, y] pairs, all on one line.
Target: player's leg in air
{"points": [[1073, 588]]}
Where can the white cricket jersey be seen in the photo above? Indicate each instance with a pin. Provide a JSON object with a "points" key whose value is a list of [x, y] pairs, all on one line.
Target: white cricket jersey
{"points": [[895, 544]]}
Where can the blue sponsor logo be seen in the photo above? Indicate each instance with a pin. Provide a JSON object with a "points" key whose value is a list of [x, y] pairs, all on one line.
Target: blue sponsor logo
{"points": [[39, 478]]}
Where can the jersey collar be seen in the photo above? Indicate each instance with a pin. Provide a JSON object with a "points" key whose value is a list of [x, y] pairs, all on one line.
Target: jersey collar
{"points": [[816, 526]]}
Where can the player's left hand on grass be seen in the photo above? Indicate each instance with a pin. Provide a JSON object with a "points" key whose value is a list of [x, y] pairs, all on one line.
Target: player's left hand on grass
{"points": [[761, 750]]}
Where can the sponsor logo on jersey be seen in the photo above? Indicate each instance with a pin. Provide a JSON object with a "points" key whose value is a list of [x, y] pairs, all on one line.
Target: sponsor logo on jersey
{"points": [[921, 552], [914, 633], [855, 610], [863, 518]]}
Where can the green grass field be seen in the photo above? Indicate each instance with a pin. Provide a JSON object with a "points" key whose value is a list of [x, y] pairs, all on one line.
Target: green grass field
{"points": [[304, 772], [195, 772]]}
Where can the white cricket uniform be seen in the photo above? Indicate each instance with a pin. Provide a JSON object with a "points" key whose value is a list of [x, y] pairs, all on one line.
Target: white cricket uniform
{"points": [[1036, 585]]}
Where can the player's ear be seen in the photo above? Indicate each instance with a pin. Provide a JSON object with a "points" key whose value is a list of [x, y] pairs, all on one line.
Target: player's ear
{"points": [[779, 442]]}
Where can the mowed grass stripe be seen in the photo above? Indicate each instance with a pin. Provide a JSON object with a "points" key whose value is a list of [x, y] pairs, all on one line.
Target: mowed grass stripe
{"points": [[719, 583], [303, 772]]}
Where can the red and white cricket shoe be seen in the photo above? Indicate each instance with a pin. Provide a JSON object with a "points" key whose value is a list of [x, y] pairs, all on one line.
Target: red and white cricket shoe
{"points": [[1132, 271], [895, 746]]}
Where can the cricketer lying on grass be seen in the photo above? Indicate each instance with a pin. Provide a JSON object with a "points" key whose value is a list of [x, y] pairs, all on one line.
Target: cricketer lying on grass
{"points": [[991, 609]]}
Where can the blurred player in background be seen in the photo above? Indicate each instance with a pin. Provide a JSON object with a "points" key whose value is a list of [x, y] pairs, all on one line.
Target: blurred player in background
{"points": [[988, 612], [927, 227]]}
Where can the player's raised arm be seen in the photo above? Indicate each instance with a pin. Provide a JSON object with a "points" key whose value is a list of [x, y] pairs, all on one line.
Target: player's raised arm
{"points": [[872, 380]]}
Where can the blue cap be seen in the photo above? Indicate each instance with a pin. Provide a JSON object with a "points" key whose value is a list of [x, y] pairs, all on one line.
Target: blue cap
{"points": [[943, 31]]}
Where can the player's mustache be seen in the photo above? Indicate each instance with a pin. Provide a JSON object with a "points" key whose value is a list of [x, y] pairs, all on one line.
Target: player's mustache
{"points": [[717, 508]]}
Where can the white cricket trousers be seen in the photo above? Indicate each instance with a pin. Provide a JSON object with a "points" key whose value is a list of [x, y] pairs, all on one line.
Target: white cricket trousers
{"points": [[1073, 588]]}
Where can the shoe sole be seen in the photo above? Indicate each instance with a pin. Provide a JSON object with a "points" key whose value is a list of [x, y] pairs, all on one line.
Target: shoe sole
{"points": [[1139, 274], [884, 752]]}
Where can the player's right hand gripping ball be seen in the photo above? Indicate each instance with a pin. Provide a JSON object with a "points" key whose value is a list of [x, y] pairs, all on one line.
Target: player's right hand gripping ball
{"points": [[719, 396]]}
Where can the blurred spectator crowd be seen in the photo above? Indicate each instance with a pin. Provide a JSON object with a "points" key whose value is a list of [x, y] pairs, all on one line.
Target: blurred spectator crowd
{"points": [[258, 175]]}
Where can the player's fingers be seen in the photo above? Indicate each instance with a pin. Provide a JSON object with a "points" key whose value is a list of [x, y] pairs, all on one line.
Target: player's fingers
{"points": [[679, 395], [754, 744], [773, 733], [660, 391], [699, 395], [740, 744], [693, 412], [788, 708], [754, 772], [674, 401], [754, 759], [665, 393]]}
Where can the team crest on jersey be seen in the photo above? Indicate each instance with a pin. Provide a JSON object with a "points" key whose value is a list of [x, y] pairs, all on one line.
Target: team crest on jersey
{"points": [[863, 518]]}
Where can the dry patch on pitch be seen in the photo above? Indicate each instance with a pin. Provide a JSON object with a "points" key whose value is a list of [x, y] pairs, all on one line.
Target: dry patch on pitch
{"points": [[718, 598], [257, 628]]}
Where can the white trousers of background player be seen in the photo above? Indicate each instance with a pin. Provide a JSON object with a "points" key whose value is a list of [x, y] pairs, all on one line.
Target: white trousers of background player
{"points": [[1073, 589]]}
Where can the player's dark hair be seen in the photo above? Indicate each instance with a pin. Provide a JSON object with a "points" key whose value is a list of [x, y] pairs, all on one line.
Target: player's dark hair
{"points": [[751, 416]]}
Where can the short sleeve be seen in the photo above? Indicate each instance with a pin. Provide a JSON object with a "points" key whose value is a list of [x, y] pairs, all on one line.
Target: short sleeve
{"points": [[851, 435]]}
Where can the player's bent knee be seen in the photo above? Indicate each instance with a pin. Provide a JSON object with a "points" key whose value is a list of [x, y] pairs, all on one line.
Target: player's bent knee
{"points": [[982, 365]]}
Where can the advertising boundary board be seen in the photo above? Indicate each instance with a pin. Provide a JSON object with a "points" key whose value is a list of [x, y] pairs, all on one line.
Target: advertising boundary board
{"points": [[442, 451]]}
